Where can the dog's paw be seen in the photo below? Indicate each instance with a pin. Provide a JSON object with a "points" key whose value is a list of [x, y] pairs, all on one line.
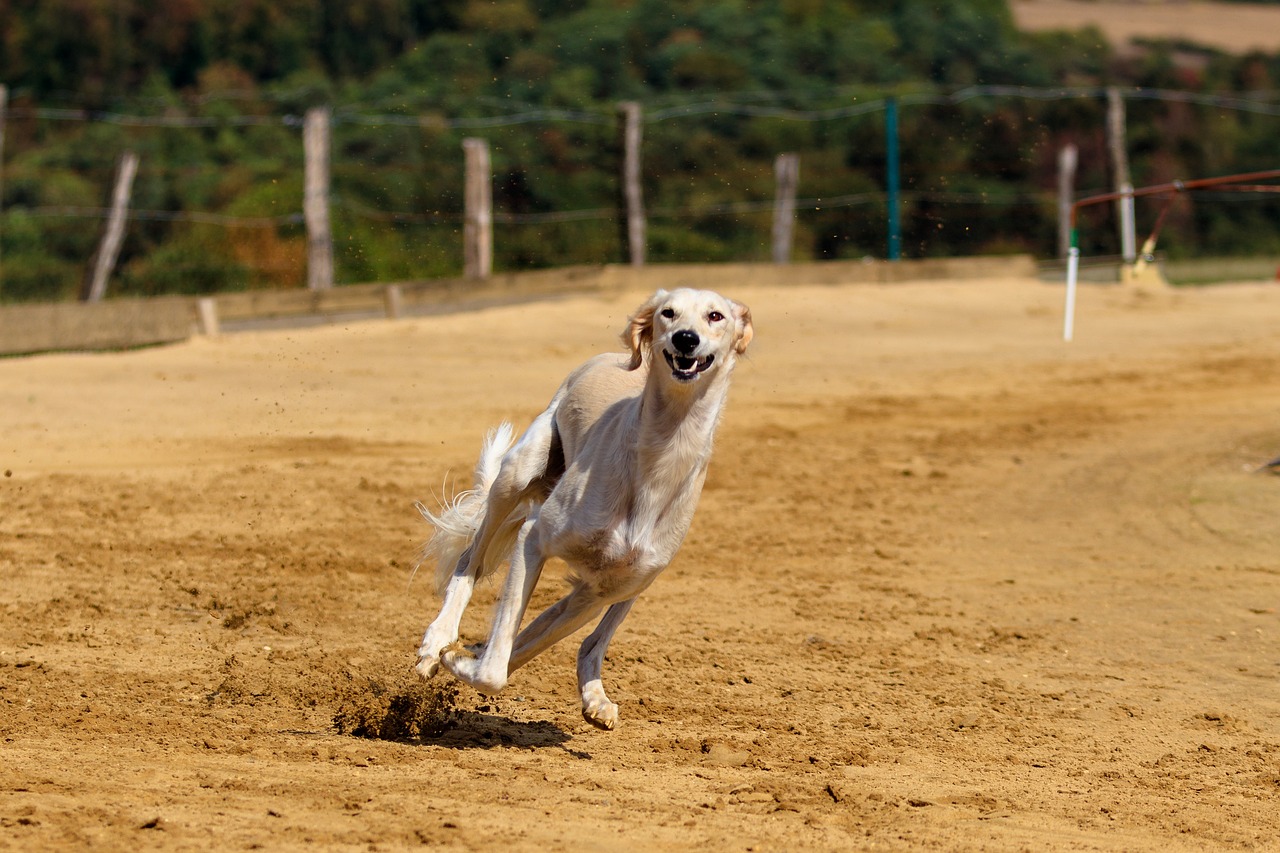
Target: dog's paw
{"points": [[597, 709], [429, 658], [467, 668], [602, 715], [434, 642], [427, 665]]}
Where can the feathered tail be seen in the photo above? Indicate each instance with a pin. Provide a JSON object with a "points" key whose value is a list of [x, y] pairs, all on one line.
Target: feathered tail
{"points": [[460, 517]]}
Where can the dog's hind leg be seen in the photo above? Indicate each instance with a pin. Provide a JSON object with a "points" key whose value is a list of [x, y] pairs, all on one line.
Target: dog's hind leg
{"points": [[452, 545], [559, 621], [488, 672], [521, 476], [554, 624], [444, 630], [597, 708]]}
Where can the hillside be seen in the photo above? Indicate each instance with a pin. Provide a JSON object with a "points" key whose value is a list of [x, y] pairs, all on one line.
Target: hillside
{"points": [[1232, 27], [210, 100]]}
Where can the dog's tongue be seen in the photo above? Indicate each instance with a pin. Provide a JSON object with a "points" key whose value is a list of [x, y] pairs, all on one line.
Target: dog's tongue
{"points": [[685, 364]]}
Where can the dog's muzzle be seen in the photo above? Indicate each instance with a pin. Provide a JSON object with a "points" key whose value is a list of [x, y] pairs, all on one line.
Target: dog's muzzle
{"points": [[687, 367]]}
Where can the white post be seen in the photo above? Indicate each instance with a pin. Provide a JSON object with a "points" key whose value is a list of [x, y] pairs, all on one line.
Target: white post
{"points": [[1069, 315]]}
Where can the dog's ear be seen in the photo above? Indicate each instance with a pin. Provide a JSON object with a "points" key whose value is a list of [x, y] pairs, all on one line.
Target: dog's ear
{"points": [[639, 332], [746, 331]]}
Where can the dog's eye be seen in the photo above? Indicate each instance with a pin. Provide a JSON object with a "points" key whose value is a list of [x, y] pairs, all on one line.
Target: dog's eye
{"points": [[715, 316], [669, 313]]}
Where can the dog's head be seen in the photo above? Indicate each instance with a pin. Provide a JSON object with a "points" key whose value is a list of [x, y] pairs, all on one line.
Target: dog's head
{"points": [[691, 332]]}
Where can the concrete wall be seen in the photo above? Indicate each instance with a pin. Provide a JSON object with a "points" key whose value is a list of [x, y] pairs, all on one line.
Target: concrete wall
{"points": [[120, 323], [111, 324]]}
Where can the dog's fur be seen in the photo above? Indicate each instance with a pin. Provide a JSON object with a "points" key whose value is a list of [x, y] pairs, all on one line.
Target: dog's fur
{"points": [[606, 478]]}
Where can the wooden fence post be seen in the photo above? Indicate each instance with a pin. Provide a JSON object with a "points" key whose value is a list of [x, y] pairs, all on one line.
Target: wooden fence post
{"points": [[1067, 159], [393, 301], [207, 310], [477, 228], [104, 259], [1120, 168], [4, 112], [786, 172], [315, 199], [633, 221]]}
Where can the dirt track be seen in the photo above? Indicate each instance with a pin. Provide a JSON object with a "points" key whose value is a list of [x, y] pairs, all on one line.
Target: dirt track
{"points": [[953, 585]]}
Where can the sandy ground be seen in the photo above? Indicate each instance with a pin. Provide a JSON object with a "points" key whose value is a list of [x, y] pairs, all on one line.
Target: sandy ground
{"points": [[953, 585], [1231, 27]]}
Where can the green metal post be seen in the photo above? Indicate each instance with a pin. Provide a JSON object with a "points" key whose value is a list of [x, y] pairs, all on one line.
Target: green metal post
{"points": [[891, 178]]}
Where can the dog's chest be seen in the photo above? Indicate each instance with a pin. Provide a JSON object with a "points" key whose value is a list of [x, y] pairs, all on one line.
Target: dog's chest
{"points": [[618, 532], [612, 565], [606, 551]]}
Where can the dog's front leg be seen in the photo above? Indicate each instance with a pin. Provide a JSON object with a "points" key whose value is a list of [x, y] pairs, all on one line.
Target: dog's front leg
{"points": [[488, 672], [597, 708]]}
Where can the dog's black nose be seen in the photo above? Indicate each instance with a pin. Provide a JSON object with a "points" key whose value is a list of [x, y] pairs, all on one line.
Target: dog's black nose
{"points": [[685, 341]]}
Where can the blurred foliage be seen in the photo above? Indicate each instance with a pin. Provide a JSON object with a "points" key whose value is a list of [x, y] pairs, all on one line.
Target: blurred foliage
{"points": [[409, 79]]}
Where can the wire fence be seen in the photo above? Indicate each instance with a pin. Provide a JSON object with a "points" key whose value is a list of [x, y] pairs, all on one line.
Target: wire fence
{"points": [[397, 179]]}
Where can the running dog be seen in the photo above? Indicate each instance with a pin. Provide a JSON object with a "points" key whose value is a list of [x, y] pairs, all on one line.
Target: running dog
{"points": [[606, 478]]}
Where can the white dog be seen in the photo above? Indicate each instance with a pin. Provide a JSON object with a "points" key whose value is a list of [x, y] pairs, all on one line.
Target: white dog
{"points": [[606, 478]]}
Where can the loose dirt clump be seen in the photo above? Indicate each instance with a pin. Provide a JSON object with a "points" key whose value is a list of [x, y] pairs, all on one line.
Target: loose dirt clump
{"points": [[404, 710]]}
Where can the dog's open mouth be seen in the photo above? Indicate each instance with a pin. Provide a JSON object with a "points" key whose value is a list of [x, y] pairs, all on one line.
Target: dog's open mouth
{"points": [[687, 367]]}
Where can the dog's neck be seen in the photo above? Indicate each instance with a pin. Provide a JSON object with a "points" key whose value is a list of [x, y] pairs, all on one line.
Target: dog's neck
{"points": [[670, 412], [675, 430]]}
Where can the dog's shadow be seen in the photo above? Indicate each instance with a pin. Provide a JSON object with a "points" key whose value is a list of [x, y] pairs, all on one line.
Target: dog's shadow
{"points": [[480, 730]]}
